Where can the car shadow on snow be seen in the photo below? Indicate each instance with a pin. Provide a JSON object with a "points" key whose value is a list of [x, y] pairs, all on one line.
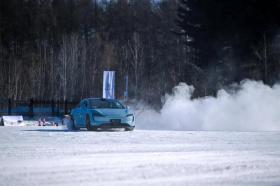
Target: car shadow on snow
{"points": [[68, 130], [50, 130]]}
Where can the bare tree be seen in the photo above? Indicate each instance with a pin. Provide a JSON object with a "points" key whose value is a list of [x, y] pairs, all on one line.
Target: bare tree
{"points": [[136, 49]]}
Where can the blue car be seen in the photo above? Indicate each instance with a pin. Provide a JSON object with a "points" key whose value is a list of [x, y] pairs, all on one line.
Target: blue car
{"points": [[99, 113]]}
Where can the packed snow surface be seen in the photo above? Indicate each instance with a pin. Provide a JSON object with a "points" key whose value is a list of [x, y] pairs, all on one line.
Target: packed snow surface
{"points": [[54, 156]]}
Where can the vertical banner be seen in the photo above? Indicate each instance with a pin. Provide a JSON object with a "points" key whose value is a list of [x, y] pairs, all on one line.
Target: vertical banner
{"points": [[109, 84]]}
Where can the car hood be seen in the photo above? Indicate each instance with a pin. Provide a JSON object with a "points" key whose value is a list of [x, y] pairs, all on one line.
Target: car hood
{"points": [[113, 112]]}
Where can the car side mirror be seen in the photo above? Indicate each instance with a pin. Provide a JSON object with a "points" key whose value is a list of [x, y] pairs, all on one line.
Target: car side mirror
{"points": [[84, 106]]}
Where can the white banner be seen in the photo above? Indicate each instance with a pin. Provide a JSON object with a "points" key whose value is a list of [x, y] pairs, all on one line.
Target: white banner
{"points": [[109, 84]]}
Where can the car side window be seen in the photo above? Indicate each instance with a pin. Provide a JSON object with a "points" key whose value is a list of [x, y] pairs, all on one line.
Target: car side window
{"points": [[81, 104]]}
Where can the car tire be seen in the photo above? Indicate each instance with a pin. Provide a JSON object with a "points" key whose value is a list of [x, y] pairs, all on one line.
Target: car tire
{"points": [[129, 129], [94, 129], [88, 123], [74, 126], [1, 122]]}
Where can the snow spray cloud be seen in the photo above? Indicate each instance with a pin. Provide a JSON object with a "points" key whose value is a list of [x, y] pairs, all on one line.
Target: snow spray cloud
{"points": [[253, 106]]}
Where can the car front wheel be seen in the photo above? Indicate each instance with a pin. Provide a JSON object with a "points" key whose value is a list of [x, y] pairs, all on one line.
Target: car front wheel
{"points": [[74, 125], [129, 129], [88, 123]]}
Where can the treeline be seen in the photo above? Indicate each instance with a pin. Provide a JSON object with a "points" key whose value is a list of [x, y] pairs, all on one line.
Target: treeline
{"points": [[228, 41], [58, 49]]}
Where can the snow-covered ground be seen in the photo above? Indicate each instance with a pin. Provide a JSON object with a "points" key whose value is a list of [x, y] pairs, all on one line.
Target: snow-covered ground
{"points": [[54, 156]]}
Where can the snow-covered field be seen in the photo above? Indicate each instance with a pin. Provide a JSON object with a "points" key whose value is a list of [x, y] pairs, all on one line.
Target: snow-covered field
{"points": [[54, 156]]}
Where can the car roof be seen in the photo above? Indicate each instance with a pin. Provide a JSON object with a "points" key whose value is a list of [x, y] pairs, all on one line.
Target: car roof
{"points": [[100, 99]]}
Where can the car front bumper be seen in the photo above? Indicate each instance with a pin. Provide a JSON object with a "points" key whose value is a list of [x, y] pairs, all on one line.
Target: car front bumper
{"points": [[106, 122], [113, 125]]}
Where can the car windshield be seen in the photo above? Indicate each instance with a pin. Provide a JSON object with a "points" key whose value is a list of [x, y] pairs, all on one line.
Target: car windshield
{"points": [[100, 103]]}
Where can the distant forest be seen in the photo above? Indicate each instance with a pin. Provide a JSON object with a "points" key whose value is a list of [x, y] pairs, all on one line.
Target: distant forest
{"points": [[58, 49]]}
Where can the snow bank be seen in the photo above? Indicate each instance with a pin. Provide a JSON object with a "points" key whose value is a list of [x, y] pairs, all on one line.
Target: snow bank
{"points": [[249, 106], [12, 120]]}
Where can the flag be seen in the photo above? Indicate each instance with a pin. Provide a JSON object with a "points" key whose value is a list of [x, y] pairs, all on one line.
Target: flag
{"points": [[109, 84]]}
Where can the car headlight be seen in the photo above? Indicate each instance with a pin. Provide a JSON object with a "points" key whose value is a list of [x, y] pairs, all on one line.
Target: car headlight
{"points": [[130, 117]]}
